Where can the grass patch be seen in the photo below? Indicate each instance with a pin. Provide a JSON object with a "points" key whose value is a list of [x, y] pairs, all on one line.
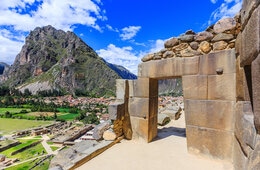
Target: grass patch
{"points": [[68, 116], [50, 143], [30, 164], [8, 126], [12, 110], [54, 148], [29, 153], [23, 144]]}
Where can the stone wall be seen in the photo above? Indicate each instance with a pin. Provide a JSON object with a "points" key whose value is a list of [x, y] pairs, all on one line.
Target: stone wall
{"points": [[247, 124], [220, 70]]}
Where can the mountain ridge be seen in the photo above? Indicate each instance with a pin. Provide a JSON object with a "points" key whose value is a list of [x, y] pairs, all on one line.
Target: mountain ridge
{"points": [[52, 59]]}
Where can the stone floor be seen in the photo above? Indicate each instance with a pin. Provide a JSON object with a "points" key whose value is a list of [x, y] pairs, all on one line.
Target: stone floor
{"points": [[167, 152]]}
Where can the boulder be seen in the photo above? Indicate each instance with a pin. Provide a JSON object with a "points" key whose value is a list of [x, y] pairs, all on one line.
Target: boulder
{"points": [[171, 43], [100, 129], [168, 54], [194, 45], [109, 135], [147, 57], [174, 112], [205, 47], [223, 37], [203, 36], [189, 52], [220, 45], [187, 38], [163, 119], [224, 24]]}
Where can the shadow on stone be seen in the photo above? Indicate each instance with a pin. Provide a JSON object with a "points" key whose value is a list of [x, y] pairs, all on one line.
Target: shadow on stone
{"points": [[169, 131]]}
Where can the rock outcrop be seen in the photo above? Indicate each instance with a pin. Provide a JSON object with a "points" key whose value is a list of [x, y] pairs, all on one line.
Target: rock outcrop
{"points": [[63, 62]]}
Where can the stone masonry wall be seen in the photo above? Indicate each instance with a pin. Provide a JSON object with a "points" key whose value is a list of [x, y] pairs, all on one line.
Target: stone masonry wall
{"points": [[220, 70], [247, 124]]}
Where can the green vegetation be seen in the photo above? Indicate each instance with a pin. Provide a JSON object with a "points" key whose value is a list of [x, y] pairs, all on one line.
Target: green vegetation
{"points": [[8, 126], [54, 148], [12, 110], [29, 164], [23, 144]]}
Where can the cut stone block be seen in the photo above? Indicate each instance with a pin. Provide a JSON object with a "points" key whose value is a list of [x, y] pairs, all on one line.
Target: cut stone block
{"points": [[140, 128], [210, 142], [248, 7], [244, 127], [225, 60], [254, 158], [122, 89], [139, 107], [116, 110], [210, 114], [160, 69], [256, 91], [152, 133], [222, 87], [240, 160], [241, 84], [195, 87], [190, 65], [143, 87], [251, 39]]}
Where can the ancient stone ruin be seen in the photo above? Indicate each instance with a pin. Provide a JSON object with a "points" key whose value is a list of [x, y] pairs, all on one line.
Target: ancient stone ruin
{"points": [[220, 71]]}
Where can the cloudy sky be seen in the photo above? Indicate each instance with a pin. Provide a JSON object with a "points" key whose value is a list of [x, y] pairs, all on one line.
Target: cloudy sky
{"points": [[120, 31]]}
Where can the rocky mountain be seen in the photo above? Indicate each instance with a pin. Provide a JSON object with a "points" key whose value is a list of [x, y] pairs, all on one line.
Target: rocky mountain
{"points": [[53, 59], [3, 67]]}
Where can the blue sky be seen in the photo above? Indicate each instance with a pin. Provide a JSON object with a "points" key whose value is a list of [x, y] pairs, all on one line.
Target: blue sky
{"points": [[120, 31]]}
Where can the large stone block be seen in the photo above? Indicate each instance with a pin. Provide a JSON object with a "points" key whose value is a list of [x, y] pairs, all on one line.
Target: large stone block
{"points": [[160, 69], [143, 107], [210, 142], [195, 87], [143, 87], [256, 91], [248, 7], [222, 87], [240, 160], [152, 127], [116, 110], [224, 60], [122, 89], [191, 65], [238, 44], [242, 90], [139, 107], [140, 128], [244, 127], [251, 39], [254, 158], [210, 114]]}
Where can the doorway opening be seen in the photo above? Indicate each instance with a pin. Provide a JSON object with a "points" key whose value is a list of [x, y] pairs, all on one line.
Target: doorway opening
{"points": [[171, 118]]}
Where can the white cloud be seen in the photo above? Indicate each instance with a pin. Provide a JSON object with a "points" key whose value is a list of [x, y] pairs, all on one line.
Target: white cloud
{"points": [[127, 56], [109, 27], [157, 46], [24, 15], [129, 32], [124, 56], [229, 8]]}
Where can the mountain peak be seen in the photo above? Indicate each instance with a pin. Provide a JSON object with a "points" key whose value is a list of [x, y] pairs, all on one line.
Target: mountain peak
{"points": [[63, 62]]}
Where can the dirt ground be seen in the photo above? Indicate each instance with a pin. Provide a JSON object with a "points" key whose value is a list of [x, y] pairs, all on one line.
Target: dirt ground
{"points": [[167, 152]]}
